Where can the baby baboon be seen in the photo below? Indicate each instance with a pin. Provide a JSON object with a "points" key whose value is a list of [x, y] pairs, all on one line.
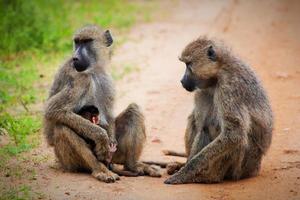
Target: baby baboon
{"points": [[91, 113], [82, 82], [230, 128]]}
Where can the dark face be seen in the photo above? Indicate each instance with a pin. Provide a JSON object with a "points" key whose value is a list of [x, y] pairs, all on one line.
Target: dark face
{"points": [[200, 74], [188, 80], [84, 54], [88, 112]]}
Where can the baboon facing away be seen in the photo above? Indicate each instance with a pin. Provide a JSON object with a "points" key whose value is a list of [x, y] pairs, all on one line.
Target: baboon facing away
{"points": [[83, 81], [230, 128]]}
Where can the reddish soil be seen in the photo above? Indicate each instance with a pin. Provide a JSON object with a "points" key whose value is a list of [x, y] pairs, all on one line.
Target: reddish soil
{"points": [[263, 33]]}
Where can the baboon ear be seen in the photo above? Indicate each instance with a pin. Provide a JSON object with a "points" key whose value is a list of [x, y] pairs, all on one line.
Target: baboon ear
{"points": [[211, 54], [108, 38]]}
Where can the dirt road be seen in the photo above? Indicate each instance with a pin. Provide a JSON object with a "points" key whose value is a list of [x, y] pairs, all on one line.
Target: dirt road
{"points": [[265, 34]]}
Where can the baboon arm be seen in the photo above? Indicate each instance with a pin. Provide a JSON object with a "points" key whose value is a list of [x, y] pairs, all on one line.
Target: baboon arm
{"points": [[60, 80], [202, 161], [111, 129], [61, 113], [232, 136]]}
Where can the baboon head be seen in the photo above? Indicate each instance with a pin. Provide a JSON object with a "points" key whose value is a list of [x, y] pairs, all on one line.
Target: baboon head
{"points": [[202, 67], [91, 46], [90, 113]]}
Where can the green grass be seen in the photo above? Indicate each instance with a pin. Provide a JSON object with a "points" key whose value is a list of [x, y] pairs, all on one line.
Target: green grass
{"points": [[22, 192], [35, 37]]}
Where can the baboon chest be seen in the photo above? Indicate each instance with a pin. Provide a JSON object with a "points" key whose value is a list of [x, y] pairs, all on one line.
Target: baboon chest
{"points": [[99, 93], [211, 125]]}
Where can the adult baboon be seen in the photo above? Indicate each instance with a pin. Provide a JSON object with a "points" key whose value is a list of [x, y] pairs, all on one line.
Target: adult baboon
{"points": [[82, 82], [230, 128]]}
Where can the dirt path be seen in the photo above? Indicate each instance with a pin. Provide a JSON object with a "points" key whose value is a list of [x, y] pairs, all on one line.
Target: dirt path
{"points": [[265, 35]]}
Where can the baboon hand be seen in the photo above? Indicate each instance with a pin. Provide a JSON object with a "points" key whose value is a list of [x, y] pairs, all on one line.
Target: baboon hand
{"points": [[111, 151], [101, 149]]}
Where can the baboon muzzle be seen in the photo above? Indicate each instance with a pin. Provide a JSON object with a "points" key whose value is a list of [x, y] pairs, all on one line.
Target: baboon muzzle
{"points": [[188, 84], [80, 60]]}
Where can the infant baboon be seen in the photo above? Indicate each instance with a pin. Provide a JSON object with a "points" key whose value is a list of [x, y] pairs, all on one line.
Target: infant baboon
{"points": [[91, 113], [129, 153], [230, 128], [82, 82]]}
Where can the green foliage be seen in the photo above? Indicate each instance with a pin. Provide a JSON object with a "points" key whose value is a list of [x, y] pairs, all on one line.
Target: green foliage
{"points": [[47, 25], [16, 82], [19, 128], [35, 37], [22, 192]]}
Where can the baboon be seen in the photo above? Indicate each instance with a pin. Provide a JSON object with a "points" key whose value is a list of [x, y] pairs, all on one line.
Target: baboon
{"points": [[91, 113], [126, 151], [83, 81], [230, 127]]}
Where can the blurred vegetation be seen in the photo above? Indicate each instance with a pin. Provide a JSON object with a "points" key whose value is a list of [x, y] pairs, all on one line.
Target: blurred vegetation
{"points": [[35, 38]]}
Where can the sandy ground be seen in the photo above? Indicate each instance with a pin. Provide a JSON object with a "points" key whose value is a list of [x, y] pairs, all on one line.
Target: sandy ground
{"points": [[264, 34]]}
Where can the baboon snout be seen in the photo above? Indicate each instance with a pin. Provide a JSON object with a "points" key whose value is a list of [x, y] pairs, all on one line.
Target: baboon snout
{"points": [[80, 64], [80, 60], [188, 84]]}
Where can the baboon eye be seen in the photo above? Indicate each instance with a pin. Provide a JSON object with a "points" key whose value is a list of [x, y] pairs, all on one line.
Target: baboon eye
{"points": [[83, 41], [76, 41], [211, 54], [87, 40]]}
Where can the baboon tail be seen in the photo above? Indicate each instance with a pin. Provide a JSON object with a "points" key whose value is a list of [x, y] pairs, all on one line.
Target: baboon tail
{"points": [[161, 164], [174, 153], [122, 172]]}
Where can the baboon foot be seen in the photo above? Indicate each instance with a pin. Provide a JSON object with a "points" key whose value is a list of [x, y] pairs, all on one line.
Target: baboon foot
{"points": [[174, 180], [173, 167], [151, 171], [108, 177], [144, 169], [181, 177]]}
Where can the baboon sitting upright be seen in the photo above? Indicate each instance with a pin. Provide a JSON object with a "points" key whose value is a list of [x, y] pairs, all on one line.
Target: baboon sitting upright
{"points": [[230, 128], [82, 82]]}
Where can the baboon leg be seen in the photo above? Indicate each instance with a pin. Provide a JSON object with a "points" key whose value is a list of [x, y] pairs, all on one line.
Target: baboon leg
{"points": [[190, 134], [201, 140], [203, 167], [131, 136], [74, 154], [252, 161]]}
